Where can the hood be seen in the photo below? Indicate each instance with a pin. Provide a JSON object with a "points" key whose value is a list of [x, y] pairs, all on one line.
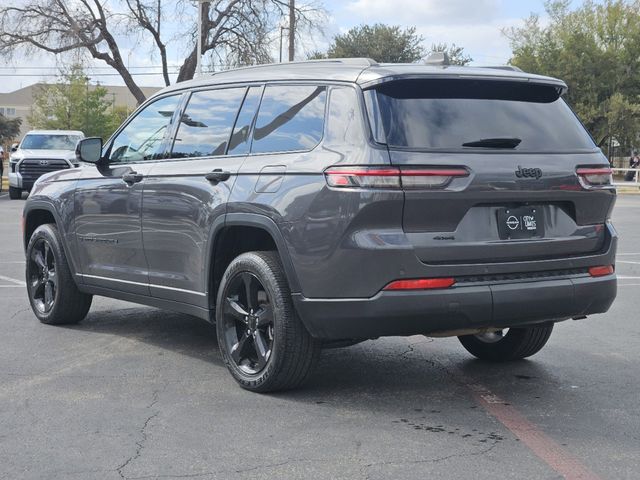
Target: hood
{"points": [[64, 154]]}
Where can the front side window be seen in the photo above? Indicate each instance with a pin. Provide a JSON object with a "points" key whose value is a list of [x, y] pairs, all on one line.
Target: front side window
{"points": [[291, 118], [41, 141], [205, 126], [143, 137]]}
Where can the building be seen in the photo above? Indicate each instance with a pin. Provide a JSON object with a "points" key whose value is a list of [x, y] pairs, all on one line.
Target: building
{"points": [[18, 103]]}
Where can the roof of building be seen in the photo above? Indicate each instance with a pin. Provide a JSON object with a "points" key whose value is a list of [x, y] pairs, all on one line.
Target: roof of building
{"points": [[121, 94], [364, 71]]}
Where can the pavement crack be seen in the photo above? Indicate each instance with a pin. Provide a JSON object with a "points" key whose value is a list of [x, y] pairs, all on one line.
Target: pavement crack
{"points": [[140, 444], [22, 310], [432, 460]]}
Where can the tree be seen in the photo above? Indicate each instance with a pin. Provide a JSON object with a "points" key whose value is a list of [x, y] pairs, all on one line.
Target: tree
{"points": [[72, 104], [596, 50], [9, 128], [383, 43], [233, 31], [387, 44]]}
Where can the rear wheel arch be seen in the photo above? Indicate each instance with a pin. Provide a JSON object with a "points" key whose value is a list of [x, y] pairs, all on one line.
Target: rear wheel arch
{"points": [[241, 233]]}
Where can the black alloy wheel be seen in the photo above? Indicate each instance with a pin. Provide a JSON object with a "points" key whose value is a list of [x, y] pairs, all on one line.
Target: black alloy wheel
{"points": [[42, 276], [263, 342], [248, 323], [52, 290]]}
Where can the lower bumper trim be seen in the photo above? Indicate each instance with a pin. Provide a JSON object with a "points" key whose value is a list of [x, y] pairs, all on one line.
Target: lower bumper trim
{"points": [[402, 313]]}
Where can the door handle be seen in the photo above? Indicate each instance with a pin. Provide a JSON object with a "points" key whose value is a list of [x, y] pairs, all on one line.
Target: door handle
{"points": [[132, 177], [218, 175]]}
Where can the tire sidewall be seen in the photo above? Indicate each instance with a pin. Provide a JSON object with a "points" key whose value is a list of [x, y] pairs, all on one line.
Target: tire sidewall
{"points": [[254, 264], [50, 235]]}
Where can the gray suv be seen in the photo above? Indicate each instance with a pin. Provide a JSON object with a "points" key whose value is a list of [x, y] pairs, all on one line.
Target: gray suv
{"points": [[322, 203]]}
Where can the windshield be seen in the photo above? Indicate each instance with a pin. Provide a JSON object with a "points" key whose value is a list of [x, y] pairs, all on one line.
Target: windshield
{"points": [[475, 115], [38, 141]]}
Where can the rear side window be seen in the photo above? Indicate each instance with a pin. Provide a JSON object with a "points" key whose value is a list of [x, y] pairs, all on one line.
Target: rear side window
{"points": [[291, 118], [205, 126], [476, 115], [240, 141]]}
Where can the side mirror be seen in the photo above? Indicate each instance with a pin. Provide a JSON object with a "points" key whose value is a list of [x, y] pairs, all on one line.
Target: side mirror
{"points": [[14, 147], [89, 150]]}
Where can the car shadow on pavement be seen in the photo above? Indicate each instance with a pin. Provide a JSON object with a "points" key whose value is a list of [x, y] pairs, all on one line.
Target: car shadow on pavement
{"points": [[175, 332], [384, 370]]}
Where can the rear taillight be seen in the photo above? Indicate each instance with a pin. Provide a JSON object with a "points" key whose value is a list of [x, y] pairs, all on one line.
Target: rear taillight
{"points": [[420, 284], [430, 177], [373, 177], [595, 177], [601, 270], [391, 177]]}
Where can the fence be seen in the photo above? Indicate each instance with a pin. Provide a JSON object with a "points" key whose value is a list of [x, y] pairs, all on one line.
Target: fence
{"points": [[620, 182]]}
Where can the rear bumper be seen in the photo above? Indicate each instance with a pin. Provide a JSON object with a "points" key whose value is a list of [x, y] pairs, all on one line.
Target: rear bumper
{"points": [[456, 308]]}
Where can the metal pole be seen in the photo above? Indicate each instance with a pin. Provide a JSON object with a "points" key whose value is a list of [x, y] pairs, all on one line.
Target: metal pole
{"points": [[281, 30], [292, 29]]}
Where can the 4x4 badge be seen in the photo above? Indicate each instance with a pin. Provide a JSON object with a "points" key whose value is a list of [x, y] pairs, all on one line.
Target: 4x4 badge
{"points": [[528, 172]]}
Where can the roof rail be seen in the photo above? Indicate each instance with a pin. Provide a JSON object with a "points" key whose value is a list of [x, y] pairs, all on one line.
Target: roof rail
{"points": [[358, 62], [511, 68]]}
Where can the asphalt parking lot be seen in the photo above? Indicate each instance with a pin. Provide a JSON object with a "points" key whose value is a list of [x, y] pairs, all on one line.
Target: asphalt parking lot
{"points": [[134, 392]]}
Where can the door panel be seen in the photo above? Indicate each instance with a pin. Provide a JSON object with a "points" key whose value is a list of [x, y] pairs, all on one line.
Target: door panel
{"points": [[108, 201], [108, 229], [180, 204]]}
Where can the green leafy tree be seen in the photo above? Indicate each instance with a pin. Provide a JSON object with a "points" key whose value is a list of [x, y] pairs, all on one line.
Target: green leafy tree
{"points": [[9, 128], [383, 43], [73, 104], [596, 50], [387, 44]]}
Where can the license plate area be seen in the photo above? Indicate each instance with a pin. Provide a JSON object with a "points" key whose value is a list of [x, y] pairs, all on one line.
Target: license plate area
{"points": [[520, 223]]}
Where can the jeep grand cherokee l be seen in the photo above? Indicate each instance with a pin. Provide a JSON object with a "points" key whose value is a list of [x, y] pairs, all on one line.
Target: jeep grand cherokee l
{"points": [[323, 203]]}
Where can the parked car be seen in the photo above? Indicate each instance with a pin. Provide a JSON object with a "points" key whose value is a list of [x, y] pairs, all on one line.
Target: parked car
{"points": [[322, 203], [40, 152]]}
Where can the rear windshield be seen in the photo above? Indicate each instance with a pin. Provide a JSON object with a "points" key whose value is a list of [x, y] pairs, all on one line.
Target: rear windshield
{"points": [[475, 115], [41, 141]]}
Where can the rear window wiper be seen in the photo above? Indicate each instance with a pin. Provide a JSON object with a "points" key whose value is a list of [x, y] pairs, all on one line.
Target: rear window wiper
{"points": [[494, 143]]}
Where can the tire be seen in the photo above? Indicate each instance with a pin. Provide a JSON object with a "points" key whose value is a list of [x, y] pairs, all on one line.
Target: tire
{"points": [[255, 284], [53, 293], [516, 344], [15, 193]]}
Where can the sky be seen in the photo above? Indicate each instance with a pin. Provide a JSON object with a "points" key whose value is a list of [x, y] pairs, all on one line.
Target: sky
{"points": [[473, 24]]}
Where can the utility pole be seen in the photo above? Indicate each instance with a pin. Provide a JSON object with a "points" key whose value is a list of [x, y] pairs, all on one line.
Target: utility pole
{"points": [[292, 29], [199, 54]]}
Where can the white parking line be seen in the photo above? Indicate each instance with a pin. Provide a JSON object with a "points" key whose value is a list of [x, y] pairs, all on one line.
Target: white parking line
{"points": [[621, 254], [19, 283], [628, 261]]}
